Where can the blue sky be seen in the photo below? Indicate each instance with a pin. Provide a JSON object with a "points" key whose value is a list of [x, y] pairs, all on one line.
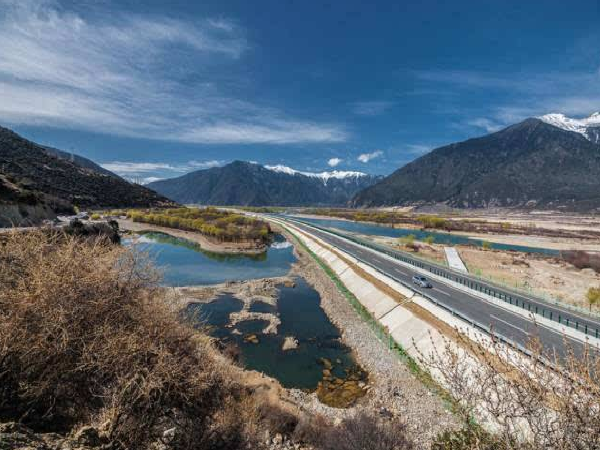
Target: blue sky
{"points": [[153, 89]]}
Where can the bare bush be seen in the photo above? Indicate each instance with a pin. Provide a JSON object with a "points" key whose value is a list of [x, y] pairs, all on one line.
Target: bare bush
{"points": [[86, 336], [538, 402], [582, 259], [360, 432]]}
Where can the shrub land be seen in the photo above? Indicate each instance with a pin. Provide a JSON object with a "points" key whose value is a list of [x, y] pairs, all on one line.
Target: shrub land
{"points": [[222, 226], [88, 339]]}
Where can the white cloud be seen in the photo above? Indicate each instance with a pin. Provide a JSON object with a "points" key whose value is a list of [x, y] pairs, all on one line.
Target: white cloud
{"points": [[488, 125], [147, 180], [523, 94], [366, 157], [418, 149], [130, 76], [334, 162], [371, 108], [129, 169]]}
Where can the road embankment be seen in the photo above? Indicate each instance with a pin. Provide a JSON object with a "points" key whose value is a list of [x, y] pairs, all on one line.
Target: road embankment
{"points": [[395, 387]]}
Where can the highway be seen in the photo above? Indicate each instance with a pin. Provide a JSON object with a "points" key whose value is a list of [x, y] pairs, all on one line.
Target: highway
{"points": [[515, 327]]}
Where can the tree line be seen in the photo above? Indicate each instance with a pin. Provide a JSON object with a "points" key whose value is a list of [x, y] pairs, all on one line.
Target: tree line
{"points": [[220, 225]]}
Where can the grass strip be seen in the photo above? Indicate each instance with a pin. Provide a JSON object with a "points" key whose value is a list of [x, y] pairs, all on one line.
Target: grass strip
{"points": [[381, 333]]}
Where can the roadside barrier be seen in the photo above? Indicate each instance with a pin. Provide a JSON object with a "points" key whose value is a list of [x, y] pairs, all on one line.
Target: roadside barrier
{"points": [[534, 306]]}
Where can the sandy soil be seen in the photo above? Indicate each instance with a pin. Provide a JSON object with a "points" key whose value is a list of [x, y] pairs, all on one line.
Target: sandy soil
{"points": [[549, 278], [225, 247], [590, 245], [431, 252], [542, 220]]}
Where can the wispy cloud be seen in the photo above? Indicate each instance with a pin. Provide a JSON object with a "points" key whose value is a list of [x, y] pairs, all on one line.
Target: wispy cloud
{"points": [[418, 149], [121, 76], [366, 157], [371, 108], [487, 124], [519, 95], [333, 162], [128, 169]]}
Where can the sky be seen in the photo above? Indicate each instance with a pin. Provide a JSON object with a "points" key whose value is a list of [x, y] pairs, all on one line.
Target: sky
{"points": [[153, 89]]}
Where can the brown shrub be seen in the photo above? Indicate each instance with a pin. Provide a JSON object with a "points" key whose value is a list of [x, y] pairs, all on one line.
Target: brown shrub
{"points": [[360, 432], [87, 337], [582, 259]]}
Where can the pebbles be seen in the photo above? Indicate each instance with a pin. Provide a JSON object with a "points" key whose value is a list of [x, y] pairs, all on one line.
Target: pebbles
{"points": [[289, 343], [392, 386]]}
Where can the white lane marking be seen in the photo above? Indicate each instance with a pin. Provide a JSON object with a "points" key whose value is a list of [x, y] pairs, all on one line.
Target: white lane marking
{"points": [[509, 324], [472, 295], [442, 291]]}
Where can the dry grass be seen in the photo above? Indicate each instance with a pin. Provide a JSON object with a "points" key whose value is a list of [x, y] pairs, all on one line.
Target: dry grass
{"points": [[86, 337]]}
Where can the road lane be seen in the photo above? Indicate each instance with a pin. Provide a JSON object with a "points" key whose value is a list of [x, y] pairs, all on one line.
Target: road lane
{"points": [[505, 323]]}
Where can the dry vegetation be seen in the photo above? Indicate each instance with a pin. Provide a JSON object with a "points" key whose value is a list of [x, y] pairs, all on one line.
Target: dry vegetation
{"points": [[87, 338], [534, 407], [452, 223], [219, 225]]}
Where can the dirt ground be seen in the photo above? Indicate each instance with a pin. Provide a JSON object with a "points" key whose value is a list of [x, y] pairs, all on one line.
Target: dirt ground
{"points": [[551, 278]]}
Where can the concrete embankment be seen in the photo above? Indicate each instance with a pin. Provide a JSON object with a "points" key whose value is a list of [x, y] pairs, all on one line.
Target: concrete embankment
{"points": [[419, 327], [394, 388]]}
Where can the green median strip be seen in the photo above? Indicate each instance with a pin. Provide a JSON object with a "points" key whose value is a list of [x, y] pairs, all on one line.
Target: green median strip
{"points": [[382, 334]]}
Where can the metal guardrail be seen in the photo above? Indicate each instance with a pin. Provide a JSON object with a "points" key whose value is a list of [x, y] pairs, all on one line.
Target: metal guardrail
{"points": [[485, 328], [524, 292], [506, 295]]}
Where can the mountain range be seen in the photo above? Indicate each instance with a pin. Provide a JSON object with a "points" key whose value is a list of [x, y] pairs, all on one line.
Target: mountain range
{"points": [[248, 184], [37, 182], [550, 162]]}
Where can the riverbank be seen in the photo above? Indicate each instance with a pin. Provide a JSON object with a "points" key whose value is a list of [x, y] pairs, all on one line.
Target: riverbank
{"points": [[250, 248], [394, 389]]}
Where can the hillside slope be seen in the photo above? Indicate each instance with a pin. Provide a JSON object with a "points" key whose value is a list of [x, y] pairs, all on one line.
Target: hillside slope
{"points": [[248, 184], [80, 161], [31, 174], [531, 164]]}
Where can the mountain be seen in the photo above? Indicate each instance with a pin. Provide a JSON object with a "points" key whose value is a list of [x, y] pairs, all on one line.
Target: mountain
{"points": [[545, 163], [247, 184], [588, 127], [80, 161], [32, 175]]}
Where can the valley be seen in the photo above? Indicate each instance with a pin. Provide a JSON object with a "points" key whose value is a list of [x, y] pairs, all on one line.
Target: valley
{"points": [[299, 225]]}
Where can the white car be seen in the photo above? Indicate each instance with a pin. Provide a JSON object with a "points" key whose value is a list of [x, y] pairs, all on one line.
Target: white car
{"points": [[421, 281]]}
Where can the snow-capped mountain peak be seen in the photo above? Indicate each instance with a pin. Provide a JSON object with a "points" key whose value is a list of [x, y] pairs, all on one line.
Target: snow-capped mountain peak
{"points": [[580, 126], [324, 176]]}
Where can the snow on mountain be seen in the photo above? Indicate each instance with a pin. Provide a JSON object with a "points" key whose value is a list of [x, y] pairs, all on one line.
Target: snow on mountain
{"points": [[324, 176], [580, 126]]}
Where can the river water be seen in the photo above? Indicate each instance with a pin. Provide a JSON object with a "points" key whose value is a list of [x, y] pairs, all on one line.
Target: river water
{"points": [[185, 263], [301, 317], [440, 238]]}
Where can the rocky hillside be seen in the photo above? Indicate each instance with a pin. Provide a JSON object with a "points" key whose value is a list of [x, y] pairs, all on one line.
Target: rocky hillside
{"points": [[248, 184], [80, 161], [533, 164], [37, 176]]}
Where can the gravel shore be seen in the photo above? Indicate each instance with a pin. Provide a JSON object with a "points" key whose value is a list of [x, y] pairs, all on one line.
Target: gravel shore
{"points": [[395, 390]]}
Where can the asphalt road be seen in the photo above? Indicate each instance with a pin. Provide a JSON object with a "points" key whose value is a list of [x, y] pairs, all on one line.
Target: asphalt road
{"points": [[510, 325]]}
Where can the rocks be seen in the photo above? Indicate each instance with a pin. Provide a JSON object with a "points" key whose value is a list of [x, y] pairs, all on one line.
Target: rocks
{"points": [[326, 363], [244, 315], [87, 436], [252, 338], [289, 343], [339, 393], [391, 384], [15, 436]]}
